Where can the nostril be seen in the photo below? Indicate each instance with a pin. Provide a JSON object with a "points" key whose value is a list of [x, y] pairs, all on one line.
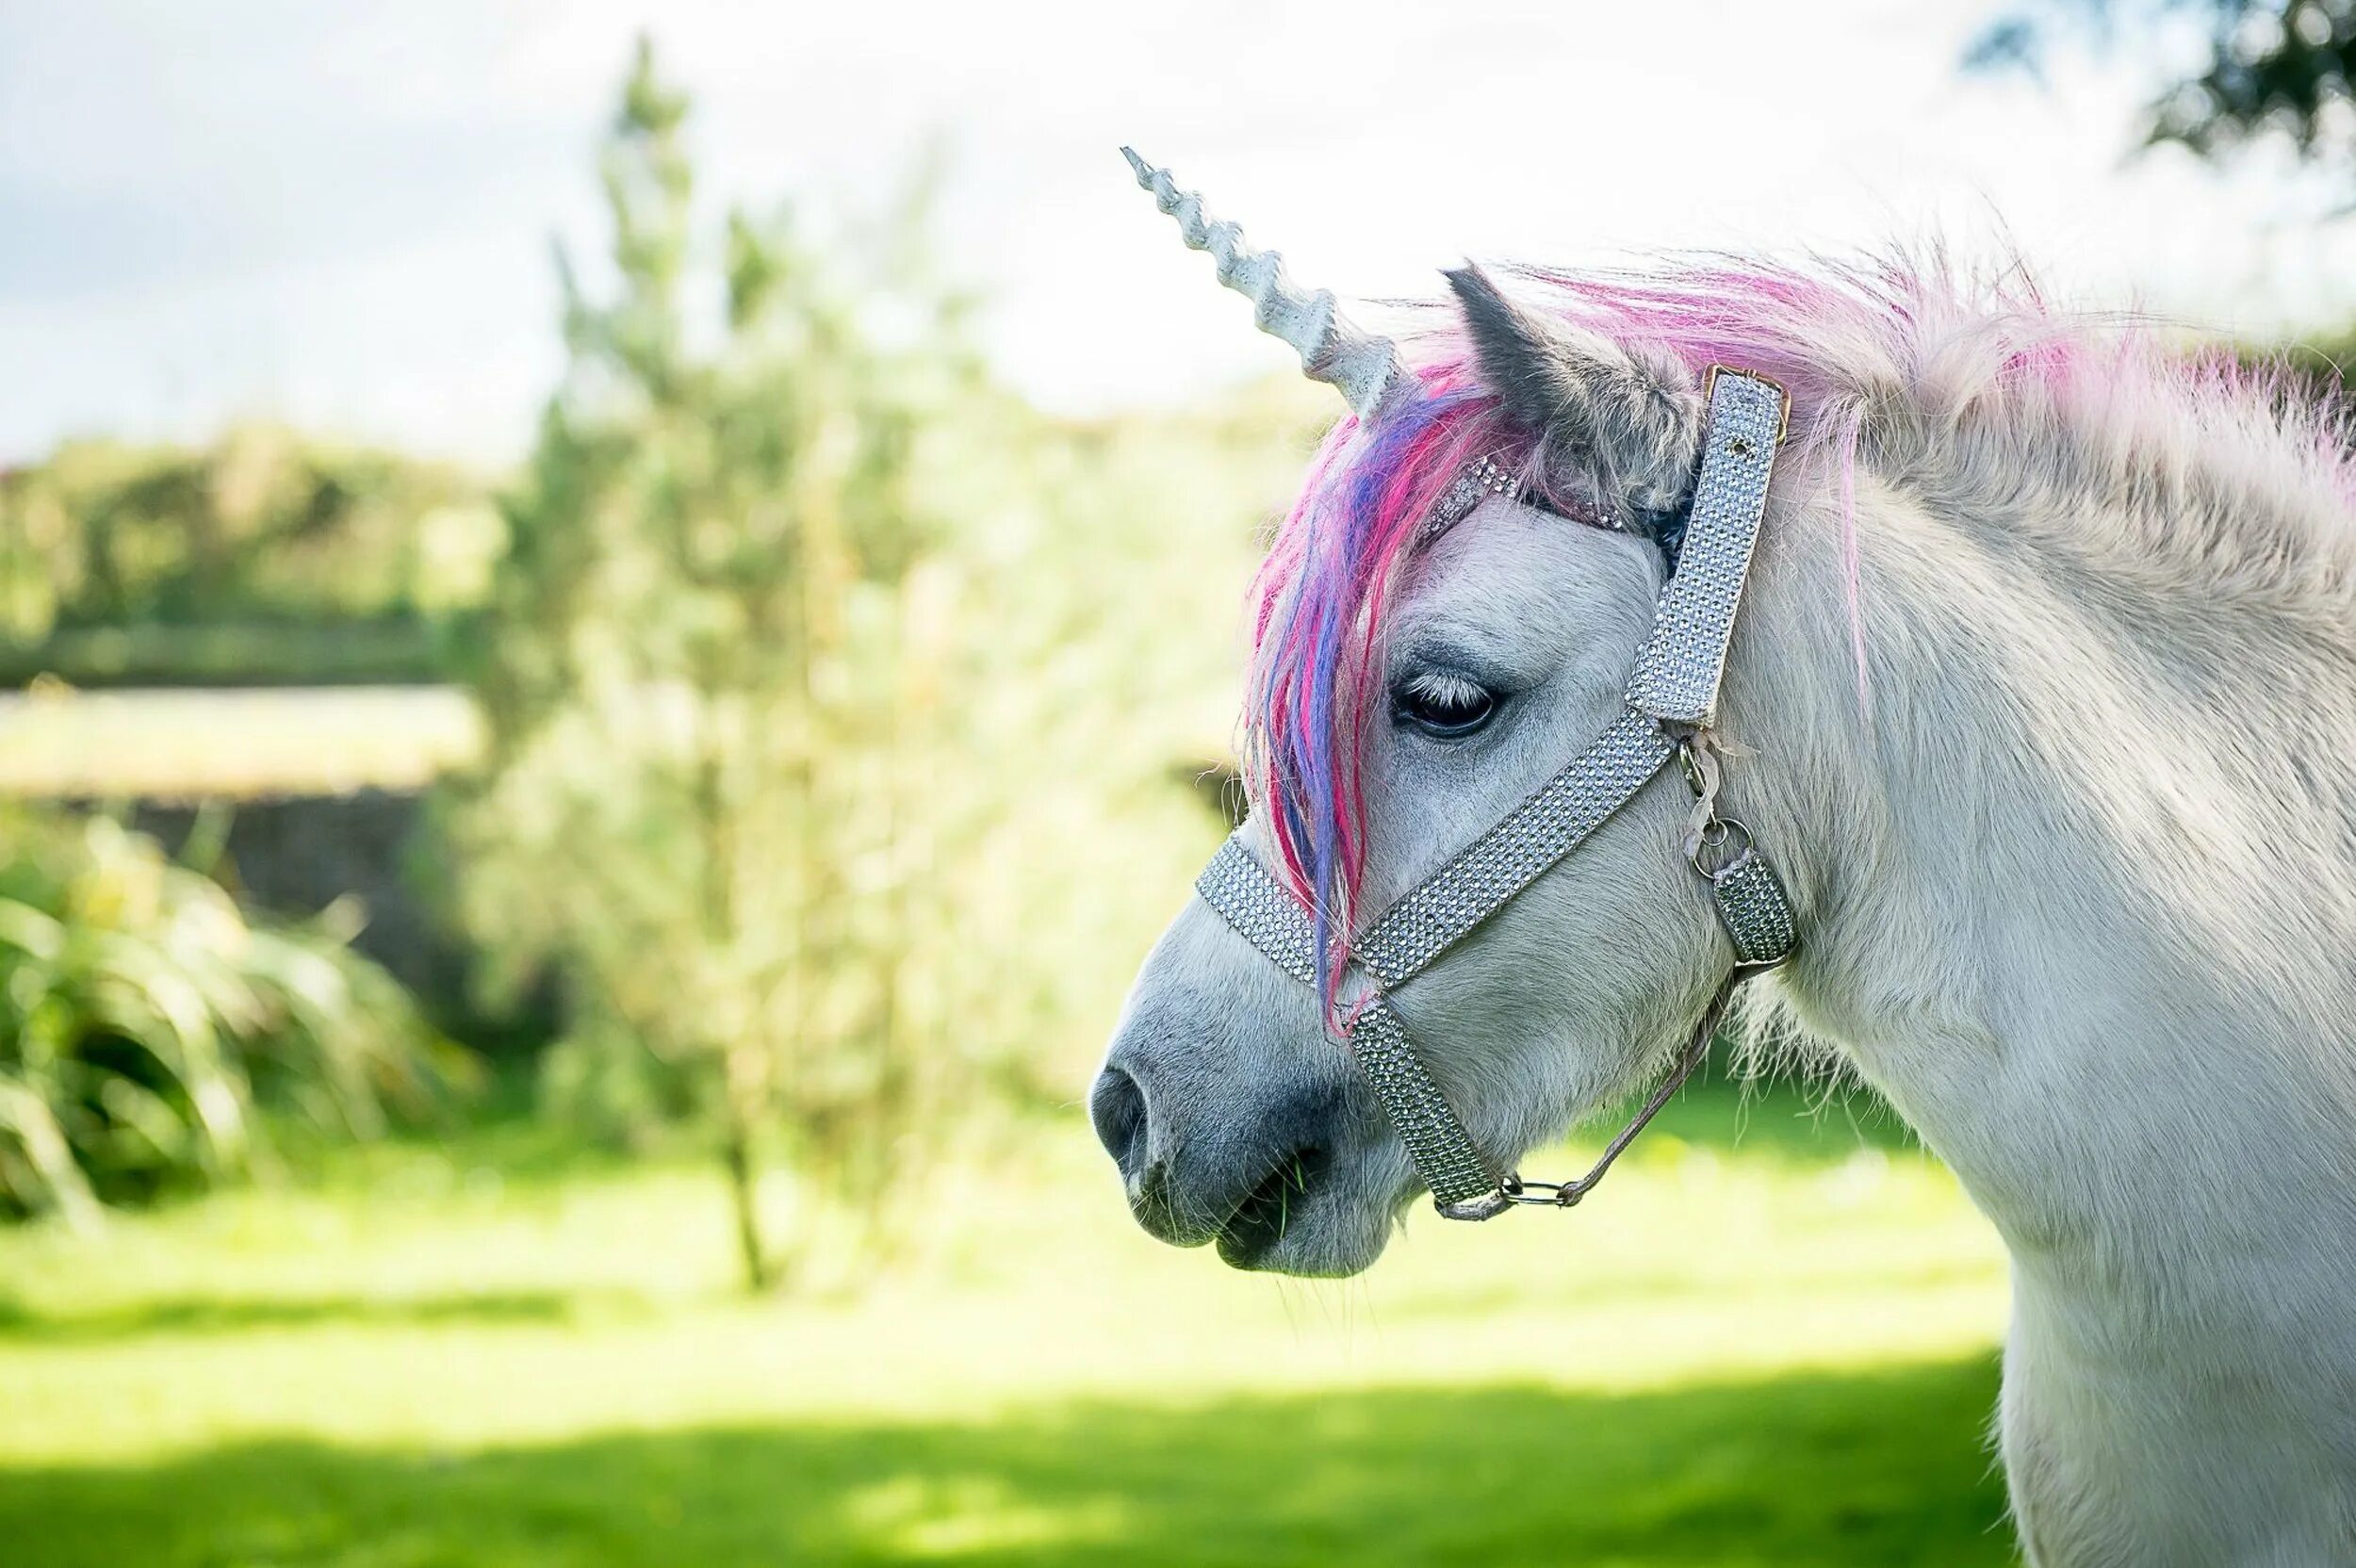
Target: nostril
{"points": [[1117, 1106]]}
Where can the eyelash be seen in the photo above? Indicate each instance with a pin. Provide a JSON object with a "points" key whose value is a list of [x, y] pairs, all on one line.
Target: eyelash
{"points": [[1442, 686], [1443, 704]]}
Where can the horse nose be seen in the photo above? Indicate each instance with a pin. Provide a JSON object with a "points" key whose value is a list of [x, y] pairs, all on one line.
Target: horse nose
{"points": [[1117, 1106], [1124, 1126]]}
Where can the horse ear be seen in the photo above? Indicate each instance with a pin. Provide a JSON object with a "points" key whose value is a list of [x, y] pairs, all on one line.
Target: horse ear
{"points": [[1622, 424]]}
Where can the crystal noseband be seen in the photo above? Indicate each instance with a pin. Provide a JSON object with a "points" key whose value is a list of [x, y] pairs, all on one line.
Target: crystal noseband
{"points": [[1672, 702]]}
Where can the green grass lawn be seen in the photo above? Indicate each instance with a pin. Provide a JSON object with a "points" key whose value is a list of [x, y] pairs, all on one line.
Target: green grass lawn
{"points": [[1770, 1349]]}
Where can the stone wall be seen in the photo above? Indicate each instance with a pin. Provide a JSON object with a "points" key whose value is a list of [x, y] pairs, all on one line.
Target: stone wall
{"points": [[296, 855]]}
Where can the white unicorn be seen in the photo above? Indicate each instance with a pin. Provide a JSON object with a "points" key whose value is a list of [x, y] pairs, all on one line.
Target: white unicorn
{"points": [[2042, 695]]}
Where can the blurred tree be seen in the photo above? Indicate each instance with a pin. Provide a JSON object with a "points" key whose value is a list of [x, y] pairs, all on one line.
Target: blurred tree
{"points": [[2275, 68], [713, 671]]}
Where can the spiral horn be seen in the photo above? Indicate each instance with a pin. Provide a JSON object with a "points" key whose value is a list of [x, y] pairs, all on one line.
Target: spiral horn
{"points": [[1363, 367]]}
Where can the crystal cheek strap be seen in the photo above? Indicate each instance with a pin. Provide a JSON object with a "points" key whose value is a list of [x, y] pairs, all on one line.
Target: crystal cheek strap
{"points": [[1672, 700]]}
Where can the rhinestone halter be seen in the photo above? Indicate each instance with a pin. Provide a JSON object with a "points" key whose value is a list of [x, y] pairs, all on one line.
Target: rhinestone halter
{"points": [[1672, 702]]}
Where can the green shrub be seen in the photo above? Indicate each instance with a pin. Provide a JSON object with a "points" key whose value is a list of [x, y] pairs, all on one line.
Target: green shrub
{"points": [[147, 1025], [263, 526]]}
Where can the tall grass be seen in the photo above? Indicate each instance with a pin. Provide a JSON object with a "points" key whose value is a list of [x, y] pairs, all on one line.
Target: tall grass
{"points": [[150, 1029]]}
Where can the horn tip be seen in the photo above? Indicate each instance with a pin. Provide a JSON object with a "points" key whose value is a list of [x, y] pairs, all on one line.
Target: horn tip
{"points": [[1138, 166]]}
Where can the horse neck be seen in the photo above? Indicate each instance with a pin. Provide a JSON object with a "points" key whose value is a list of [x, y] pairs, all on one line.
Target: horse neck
{"points": [[2075, 881]]}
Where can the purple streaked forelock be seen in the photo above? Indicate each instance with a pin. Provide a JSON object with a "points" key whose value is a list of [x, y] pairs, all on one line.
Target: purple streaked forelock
{"points": [[1321, 611]]}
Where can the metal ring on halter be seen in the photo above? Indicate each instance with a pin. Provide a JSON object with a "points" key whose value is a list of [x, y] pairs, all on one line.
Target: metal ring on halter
{"points": [[1516, 1190], [1558, 1194], [1732, 837]]}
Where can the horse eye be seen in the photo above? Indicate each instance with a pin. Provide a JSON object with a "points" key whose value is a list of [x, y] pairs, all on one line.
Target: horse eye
{"points": [[1444, 706]]}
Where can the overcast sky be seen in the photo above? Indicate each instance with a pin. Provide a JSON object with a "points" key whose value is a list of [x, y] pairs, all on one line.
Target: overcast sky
{"points": [[340, 214]]}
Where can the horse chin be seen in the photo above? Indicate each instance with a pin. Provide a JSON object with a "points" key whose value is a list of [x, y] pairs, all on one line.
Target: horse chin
{"points": [[1311, 1222]]}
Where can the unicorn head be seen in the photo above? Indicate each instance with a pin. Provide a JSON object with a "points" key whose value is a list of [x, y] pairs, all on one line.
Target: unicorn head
{"points": [[1410, 684]]}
